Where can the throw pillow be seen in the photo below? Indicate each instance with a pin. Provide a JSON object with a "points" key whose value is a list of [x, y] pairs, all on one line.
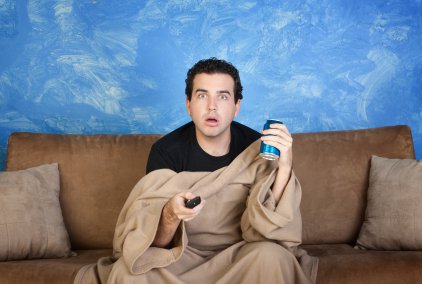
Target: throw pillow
{"points": [[393, 218], [31, 221]]}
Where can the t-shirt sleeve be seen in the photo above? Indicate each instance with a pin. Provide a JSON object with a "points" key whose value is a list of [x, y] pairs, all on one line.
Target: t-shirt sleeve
{"points": [[158, 159]]}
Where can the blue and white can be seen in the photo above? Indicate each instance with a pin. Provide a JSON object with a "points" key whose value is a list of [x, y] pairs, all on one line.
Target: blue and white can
{"points": [[266, 151]]}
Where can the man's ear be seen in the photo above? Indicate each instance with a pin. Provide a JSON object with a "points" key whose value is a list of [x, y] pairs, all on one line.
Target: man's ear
{"points": [[237, 108], [187, 102]]}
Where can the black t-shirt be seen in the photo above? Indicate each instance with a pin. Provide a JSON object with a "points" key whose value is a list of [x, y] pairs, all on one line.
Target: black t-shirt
{"points": [[179, 150]]}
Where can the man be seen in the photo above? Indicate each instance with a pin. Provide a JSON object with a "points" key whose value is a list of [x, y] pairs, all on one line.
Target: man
{"points": [[246, 228], [212, 140]]}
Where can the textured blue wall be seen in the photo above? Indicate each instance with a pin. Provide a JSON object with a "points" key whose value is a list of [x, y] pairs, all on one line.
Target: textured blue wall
{"points": [[93, 66]]}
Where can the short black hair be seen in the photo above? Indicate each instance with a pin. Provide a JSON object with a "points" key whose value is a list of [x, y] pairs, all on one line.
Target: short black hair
{"points": [[214, 66]]}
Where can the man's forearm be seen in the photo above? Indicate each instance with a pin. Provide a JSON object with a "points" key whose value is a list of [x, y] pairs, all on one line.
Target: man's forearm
{"points": [[282, 178], [166, 229]]}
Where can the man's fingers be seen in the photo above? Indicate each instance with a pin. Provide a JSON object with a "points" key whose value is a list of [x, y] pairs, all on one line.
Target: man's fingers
{"points": [[181, 211]]}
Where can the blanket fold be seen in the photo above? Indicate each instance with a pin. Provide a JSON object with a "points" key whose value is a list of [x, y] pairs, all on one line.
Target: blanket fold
{"points": [[240, 232]]}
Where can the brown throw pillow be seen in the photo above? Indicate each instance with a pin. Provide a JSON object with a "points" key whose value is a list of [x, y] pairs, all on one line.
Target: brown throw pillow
{"points": [[31, 221], [393, 218]]}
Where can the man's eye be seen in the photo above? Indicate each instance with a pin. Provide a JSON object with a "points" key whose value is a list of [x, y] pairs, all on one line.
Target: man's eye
{"points": [[224, 97], [201, 96]]}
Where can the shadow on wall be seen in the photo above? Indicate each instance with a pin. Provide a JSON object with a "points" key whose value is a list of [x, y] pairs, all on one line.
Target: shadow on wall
{"points": [[2, 158], [4, 136]]}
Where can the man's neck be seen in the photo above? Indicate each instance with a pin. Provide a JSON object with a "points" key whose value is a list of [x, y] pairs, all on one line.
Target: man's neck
{"points": [[214, 146]]}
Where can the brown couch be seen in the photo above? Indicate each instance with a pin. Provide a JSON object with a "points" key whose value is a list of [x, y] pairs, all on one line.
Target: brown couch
{"points": [[97, 173]]}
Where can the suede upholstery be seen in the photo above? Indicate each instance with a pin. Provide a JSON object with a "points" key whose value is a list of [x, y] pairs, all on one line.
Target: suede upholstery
{"points": [[31, 222], [333, 169], [341, 263], [393, 218], [97, 172]]}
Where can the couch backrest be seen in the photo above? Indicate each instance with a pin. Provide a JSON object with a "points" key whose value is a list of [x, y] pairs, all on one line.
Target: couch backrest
{"points": [[333, 169], [97, 173]]}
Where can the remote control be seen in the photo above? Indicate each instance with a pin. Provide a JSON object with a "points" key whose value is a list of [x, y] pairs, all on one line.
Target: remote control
{"points": [[191, 203]]}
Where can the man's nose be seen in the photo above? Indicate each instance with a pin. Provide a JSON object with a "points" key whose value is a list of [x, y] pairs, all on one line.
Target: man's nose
{"points": [[211, 105]]}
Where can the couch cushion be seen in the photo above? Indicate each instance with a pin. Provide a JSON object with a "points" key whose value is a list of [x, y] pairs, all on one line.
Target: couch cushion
{"points": [[43, 271], [343, 264], [333, 169], [97, 172], [393, 219], [31, 222]]}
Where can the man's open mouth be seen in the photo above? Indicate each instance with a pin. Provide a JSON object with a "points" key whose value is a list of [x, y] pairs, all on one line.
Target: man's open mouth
{"points": [[212, 121]]}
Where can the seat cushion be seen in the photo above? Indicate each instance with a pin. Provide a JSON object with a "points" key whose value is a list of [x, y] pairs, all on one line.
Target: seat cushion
{"points": [[341, 263], [61, 270]]}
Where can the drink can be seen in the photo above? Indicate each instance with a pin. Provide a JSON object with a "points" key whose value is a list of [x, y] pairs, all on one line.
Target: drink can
{"points": [[266, 151]]}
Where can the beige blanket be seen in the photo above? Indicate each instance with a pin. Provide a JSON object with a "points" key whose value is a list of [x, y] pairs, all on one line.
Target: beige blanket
{"points": [[240, 236]]}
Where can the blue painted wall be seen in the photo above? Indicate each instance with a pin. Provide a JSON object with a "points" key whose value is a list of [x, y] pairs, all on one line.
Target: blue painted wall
{"points": [[93, 66]]}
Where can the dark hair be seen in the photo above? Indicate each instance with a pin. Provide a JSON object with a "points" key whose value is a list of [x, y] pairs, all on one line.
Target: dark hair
{"points": [[214, 66]]}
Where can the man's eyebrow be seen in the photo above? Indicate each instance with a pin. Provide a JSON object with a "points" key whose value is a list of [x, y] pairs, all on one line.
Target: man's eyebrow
{"points": [[206, 91], [225, 92]]}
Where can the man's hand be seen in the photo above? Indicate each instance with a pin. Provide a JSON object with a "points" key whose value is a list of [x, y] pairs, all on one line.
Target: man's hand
{"points": [[279, 136], [176, 210], [173, 213]]}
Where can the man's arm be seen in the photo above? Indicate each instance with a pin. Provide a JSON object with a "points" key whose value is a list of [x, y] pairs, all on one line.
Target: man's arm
{"points": [[172, 214], [174, 210], [281, 139]]}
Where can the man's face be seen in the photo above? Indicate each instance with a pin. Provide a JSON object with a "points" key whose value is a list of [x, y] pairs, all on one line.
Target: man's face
{"points": [[212, 105]]}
